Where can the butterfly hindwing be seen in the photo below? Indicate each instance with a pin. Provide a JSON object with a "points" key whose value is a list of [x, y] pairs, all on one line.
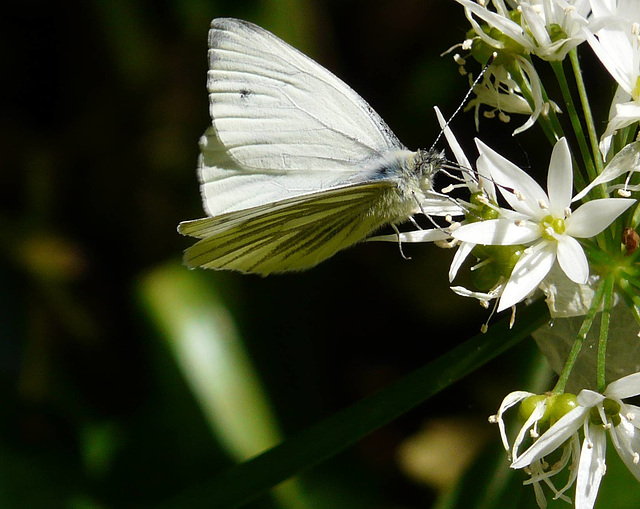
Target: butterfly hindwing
{"points": [[290, 235]]}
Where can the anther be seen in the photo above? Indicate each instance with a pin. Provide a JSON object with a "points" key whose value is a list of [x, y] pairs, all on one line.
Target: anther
{"points": [[503, 117], [545, 110], [446, 244]]}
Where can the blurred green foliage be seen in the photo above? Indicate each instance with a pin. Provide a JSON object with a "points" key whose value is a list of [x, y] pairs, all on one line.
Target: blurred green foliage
{"points": [[102, 406]]}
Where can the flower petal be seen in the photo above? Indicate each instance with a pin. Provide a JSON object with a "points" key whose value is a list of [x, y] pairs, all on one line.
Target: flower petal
{"points": [[572, 259], [484, 179], [458, 259], [431, 235], [632, 413], [523, 194], [482, 297], [510, 400], [530, 270], [560, 178], [500, 232], [627, 443], [625, 387], [627, 160], [564, 297], [595, 215], [554, 437], [591, 467], [458, 153], [614, 50], [625, 114], [589, 398], [534, 21], [501, 22], [536, 415]]}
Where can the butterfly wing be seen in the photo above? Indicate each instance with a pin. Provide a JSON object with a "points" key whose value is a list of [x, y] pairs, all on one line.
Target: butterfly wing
{"points": [[282, 125], [292, 234]]}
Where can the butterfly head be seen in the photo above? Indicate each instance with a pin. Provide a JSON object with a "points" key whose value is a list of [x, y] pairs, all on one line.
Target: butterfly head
{"points": [[428, 163]]}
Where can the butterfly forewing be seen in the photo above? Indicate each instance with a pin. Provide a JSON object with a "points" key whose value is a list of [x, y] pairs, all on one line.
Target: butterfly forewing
{"points": [[286, 124]]}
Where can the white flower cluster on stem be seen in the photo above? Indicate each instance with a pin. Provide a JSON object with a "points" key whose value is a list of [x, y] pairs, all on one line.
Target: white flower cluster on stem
{"points": [[596, 415]]}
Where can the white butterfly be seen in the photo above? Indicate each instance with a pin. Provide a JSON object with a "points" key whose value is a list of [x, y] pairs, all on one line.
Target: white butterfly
{"points": [[295, 166]]}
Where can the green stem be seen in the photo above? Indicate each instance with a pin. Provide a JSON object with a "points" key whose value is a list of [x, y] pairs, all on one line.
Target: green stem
{"points": [[575, 120], [244, 482], [588, 116], [604, 331], [630, 294], [635, 308], [580, 337]]}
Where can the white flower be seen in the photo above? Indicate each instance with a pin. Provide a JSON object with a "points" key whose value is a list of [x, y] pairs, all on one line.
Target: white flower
{"points": [[546, 28], [542, 221], [502, 94], [499, 91], [625, 161], [565, 298], [538, 469], [596, 414], [617, 46]]}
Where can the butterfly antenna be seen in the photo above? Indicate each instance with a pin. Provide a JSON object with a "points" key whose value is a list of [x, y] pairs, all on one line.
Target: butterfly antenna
{"points": [[465, 98]]}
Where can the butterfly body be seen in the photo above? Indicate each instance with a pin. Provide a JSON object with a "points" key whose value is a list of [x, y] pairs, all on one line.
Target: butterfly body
{"points": [[295, 166]]}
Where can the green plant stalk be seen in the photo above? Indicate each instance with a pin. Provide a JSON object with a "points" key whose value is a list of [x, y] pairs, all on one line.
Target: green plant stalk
{"points": [[579, 341], [629, 290], [558, 69], [607, 284], [588, 116], [244, 482]]}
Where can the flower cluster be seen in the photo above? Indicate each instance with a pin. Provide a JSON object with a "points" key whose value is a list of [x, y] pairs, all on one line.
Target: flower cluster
{"points": [[554, 422], [575, 241]]}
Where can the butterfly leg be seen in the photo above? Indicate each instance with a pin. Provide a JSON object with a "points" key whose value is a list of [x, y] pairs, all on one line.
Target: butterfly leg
{"points": [[400, 241]]}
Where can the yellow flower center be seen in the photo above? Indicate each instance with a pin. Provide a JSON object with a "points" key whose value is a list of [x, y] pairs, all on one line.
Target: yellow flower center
{"points": [[550, 225]]}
